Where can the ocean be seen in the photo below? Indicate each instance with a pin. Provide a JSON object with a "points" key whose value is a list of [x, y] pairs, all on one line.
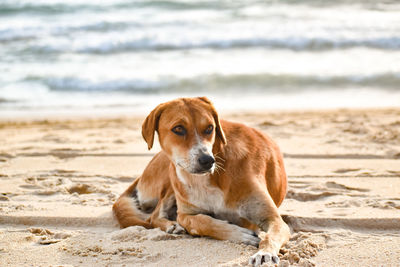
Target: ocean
{"points": [[122, 56]]}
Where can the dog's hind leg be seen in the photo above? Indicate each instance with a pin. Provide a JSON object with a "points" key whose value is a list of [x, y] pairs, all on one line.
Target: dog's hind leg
{"points": [[126, 209]]}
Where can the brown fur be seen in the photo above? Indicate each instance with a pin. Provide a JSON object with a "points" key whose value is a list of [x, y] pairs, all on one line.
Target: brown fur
{"points": [[247, 186]]}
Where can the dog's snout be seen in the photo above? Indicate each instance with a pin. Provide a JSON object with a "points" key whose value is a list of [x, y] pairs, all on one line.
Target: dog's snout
{"points": [[206, 161]]}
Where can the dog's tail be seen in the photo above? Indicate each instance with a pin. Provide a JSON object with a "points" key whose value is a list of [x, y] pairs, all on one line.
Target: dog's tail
{"points": [[126, 211]]}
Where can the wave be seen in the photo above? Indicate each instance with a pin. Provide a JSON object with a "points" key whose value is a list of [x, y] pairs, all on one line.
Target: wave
{"points": [[11, 7], [32, 8], [221, 83], [113, 46], [60, 7], [30, 33], [107, 37], [56, 7], [299, 43]]}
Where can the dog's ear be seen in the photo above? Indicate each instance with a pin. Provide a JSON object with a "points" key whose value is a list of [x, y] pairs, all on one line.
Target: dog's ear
{"points": [[150, 125], [220, 133]]}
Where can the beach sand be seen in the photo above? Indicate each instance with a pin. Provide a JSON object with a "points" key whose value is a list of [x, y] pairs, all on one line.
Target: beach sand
{"points": [[59, 179]]}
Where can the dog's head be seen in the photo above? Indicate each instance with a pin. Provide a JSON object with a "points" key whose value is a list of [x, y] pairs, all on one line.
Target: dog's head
{"points": [[187, 130]]}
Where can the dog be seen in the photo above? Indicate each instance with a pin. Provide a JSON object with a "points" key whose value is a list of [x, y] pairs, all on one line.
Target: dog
{"points": [[212, 178]]}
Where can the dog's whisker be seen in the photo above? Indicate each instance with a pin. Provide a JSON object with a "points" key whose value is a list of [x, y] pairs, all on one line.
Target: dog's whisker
{"points": [[222, 169], [217, 161], [219, 167], [219, 164], [217, 154], [218, 157]]}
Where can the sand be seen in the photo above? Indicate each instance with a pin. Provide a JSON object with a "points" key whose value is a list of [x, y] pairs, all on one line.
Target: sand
{"points": [[59, 178]]}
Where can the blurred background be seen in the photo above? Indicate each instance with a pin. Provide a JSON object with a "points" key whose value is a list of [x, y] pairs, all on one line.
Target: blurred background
{"points": [[111, 57]]}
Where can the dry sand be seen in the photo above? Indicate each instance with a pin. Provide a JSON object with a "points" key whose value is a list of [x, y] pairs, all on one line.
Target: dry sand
{"points": [[58, 180]]}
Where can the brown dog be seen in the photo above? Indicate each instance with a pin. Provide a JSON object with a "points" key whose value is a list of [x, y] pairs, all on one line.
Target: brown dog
{"points": [[227, 179]]}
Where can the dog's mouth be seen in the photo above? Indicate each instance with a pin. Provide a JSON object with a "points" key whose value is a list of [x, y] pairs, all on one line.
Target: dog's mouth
{"points": [[203, 172], [196, 171]]}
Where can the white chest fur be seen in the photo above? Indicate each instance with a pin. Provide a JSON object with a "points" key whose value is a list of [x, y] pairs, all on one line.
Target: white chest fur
{"points": [[205, 198]]}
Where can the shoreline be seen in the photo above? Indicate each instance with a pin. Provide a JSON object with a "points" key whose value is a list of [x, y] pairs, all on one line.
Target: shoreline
{"points": [[127, 113]]}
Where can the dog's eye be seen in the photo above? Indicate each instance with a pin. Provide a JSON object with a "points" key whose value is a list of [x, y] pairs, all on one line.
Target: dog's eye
{"points": [[209, 129], [179, 130]]}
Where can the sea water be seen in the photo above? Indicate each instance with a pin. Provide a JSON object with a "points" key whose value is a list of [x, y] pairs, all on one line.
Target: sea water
{"points": [[127, 56]]}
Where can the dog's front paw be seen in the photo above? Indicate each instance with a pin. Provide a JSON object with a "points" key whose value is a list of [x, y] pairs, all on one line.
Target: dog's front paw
{"points": [[262, 257], [175, 228]]}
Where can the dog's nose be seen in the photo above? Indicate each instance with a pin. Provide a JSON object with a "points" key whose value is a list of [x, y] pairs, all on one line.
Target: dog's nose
{"points": [[206, 161]]}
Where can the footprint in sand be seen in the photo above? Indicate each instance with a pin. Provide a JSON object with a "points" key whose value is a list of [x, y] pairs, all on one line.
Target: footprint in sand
{"points": [[335, 185], [346, 170], [57, 183], [54, 138], [65, 153], [127, 242], [299, 184], [379, 203], [45, 185], [307, 191], [303, 196], [47, 237]]}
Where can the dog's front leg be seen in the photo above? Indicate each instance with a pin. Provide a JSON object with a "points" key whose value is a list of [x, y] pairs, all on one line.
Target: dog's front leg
{"points": [[160, 216], [204, 225], [261, 210]]}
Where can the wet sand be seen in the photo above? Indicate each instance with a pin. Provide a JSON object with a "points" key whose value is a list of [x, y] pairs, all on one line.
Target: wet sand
{"points": [[59, 178]]}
